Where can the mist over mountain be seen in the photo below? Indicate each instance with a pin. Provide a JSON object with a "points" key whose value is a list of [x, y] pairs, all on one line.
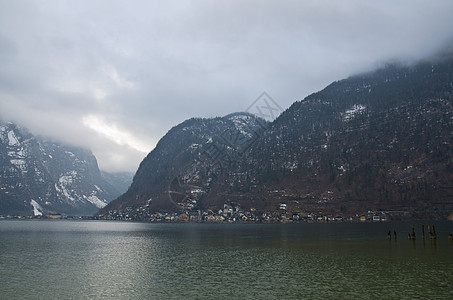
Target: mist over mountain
{"points": [[375, 141], [121, 181], [40, 176]]}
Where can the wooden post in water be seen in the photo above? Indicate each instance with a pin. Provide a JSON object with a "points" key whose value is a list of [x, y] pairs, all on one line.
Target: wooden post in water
{"points": [[434, 232], [423, 231], [394, 233], [389, 235], [430, 232], [413, 232]]}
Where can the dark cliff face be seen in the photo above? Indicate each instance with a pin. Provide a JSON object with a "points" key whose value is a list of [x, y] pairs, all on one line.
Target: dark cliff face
{"points": [[39, 176], [376, 141]]}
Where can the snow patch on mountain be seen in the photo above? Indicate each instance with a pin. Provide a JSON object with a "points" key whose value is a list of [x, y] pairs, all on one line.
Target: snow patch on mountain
{"points": [[37, 209], [12, 139], [21, 164], [96, 201], [351, 113]]}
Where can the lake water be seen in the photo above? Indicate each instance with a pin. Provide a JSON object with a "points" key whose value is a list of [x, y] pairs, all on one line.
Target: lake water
{"points": [[121, 260]]}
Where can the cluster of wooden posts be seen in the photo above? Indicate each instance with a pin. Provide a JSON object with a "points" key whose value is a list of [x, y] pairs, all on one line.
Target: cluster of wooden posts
{"points": [[411, 236]]}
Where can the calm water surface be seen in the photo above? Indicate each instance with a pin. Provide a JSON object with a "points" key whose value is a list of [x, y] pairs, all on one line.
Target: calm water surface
{"points": [[120, 260]]}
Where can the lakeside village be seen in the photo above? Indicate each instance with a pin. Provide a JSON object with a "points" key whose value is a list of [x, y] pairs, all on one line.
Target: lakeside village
{"points": [[234, 214], [228, 214]]}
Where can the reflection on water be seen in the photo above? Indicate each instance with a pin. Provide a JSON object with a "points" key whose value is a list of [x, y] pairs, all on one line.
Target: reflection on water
{"points": [[115, 260]]}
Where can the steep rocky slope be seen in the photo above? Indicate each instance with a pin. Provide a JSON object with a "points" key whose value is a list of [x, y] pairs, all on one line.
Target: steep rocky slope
{"points": [[40, 176]]}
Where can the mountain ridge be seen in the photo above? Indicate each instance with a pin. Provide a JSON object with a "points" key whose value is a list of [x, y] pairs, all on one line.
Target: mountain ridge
{"points": [[377, 141], [185, 143]]}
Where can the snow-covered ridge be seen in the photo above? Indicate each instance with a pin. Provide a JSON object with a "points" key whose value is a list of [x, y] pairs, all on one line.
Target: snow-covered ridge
{"points": [[247, 124]]}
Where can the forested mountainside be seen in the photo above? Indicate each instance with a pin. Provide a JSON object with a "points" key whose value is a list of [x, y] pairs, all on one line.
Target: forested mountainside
{"points": [[375, 141], [378, 141]]}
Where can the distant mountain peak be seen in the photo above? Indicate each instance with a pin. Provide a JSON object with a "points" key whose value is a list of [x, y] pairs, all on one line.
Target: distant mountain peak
{"points": [[39, 176]]}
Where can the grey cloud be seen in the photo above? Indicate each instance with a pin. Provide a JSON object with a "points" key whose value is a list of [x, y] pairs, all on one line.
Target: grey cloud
{"points": [[144, 66]]}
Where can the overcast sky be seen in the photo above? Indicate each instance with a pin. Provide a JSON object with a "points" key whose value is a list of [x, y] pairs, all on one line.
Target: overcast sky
{"points": [[115, 76]]}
